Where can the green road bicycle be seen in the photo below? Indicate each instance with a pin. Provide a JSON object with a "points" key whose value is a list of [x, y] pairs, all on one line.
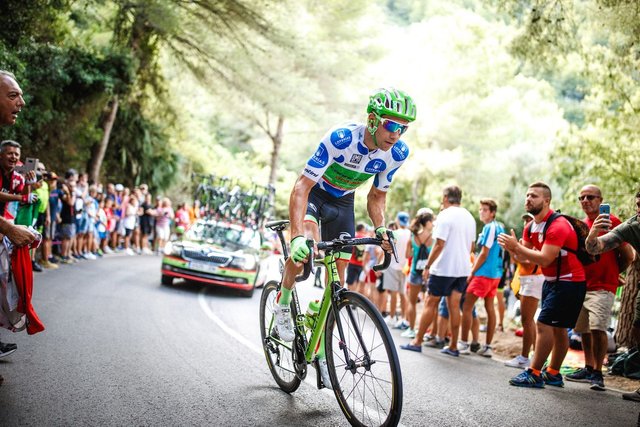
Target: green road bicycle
{"points": [[361, 357]]}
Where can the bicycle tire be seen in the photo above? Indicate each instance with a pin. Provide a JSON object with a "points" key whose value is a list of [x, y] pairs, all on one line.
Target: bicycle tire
{"points": [[280, 358], [381, 382]]}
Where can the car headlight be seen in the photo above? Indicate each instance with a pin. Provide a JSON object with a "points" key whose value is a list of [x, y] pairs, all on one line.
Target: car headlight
{"points": [[244, 263], [171, 249]]}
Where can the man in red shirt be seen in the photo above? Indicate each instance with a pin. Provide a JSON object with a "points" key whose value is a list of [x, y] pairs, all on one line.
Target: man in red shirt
{"points": [[602, 283], [563, 290]]}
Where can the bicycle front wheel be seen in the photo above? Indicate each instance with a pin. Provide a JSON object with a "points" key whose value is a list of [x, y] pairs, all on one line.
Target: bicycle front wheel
{"points": [[367, 380], [279, 354]]}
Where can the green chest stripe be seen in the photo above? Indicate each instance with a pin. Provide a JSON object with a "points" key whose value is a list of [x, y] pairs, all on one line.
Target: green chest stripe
{"points": [[347, 179]]}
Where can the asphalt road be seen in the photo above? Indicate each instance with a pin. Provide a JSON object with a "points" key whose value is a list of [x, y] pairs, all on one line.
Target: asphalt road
{"points": [[121, 349]]}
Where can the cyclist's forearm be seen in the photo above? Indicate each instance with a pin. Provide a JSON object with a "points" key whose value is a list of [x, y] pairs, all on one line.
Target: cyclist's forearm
{"points": [[298, 205]]}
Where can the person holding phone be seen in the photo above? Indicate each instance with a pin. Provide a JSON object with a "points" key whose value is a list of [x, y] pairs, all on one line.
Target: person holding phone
{"points": [[602, 283], [599, 241]]}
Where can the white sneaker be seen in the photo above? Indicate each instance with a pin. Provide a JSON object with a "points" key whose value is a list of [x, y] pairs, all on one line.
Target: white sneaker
{"points": [[519, 362], [90, 256], [463, 347], [107, 250], [147, 251], [284, 324], [324, 373], [485, 351], [390, 321], [409, 333], [129, 252]]}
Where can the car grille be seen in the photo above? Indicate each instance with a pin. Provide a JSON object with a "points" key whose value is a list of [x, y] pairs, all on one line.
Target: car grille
{"points": [[199, 256]]}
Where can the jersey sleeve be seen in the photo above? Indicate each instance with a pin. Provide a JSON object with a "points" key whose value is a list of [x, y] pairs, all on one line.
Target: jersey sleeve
{"points": [[330, 145], [399, 153], [442, 229], [488, 236]]}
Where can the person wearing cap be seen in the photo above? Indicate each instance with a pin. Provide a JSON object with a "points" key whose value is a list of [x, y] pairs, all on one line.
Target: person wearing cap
{"points": [[394, 277], [484, 278], [530, 292]]}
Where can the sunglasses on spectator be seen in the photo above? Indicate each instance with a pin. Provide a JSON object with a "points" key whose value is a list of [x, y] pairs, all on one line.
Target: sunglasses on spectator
{"points": [[392, 126], [588, 197]]}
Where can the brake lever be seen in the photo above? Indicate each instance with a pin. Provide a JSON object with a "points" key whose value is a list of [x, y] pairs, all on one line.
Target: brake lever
{"points": [[393, 244]]}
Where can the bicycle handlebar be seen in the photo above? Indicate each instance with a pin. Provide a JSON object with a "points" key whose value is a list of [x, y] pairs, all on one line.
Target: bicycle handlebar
{"points": [[340, 243]]}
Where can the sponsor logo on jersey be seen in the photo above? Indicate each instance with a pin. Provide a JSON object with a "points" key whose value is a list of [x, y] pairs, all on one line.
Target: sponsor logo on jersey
{"points": [[313, 207], [320, 158], [339, 159], [341, 138], [310, 172], [344, 236], [399, 151], [390, 174], [356, 158], [362, 149], [351, 165], [375, 166]]}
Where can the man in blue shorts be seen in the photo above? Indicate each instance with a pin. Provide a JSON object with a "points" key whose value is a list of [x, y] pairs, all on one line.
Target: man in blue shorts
{"points": [[346, 158]]}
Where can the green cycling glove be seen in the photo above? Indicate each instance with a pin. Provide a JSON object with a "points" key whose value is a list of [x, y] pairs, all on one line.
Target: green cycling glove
{"points": [[299, 248], [381, 231]]}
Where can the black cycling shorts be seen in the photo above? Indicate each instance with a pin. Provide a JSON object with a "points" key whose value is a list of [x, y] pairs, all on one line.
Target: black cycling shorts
{"points": [[334, 216]]}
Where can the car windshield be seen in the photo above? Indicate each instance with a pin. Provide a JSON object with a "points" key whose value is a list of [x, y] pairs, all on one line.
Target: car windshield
{"points": [[225, 235]]}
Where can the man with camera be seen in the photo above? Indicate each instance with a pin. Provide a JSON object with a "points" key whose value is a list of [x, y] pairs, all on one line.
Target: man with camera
{"points": [[11, 103]]}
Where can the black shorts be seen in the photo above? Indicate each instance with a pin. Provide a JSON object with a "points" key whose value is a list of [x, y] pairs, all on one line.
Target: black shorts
{"points": [[334, 216], [353, 273], [442, 286], [561, 303], [145, 228]]}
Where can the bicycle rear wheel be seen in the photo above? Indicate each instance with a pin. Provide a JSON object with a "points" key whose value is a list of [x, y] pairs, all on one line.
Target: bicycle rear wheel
{"points": [[367, 383], [279, 354]]}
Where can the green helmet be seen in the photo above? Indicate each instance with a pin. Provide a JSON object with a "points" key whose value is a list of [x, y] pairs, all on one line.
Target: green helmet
{"points": [[392, 102]]}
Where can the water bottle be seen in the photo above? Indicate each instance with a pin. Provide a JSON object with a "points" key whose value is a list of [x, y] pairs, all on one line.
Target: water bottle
{"points": [[311, 316]]}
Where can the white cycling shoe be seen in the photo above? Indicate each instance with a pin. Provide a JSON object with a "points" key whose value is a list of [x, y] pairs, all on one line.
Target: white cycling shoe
{"points": [[324, 373], [284, 323]]}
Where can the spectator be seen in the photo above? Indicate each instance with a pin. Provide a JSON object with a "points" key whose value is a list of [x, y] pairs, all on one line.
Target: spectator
{"points": [[146, 223], [182, 219], [563, 289], [48, 220], [372, 256], [130, 208], [117, 196], [531, 280], [355, 277], [394, 277], [11, 103], [627, 232], [484, 278], [163, 214], [417, 249], [447, 268], [67, 215], [602, 283]]}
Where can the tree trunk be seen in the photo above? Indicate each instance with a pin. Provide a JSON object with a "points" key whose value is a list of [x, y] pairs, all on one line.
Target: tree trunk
{"points": [[624, 336], [99, 150], [275, 154]]}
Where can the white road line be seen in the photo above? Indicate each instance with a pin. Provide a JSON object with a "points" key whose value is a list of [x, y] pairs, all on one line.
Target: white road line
{"points": [[309, 381], [235, 335]]}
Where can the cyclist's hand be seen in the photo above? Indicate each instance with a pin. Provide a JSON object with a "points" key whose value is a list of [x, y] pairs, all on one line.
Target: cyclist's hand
{"points": [[299, 249], [381, 232]]}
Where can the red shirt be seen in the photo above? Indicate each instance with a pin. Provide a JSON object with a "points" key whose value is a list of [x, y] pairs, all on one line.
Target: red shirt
{"points": [[603, 274], [357, 253], [560, 233]]}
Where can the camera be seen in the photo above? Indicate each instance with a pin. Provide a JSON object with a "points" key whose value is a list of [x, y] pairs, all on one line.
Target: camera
{"points": [[30, 164]]}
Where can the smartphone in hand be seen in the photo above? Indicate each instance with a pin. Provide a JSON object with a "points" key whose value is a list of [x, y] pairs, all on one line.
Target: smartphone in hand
{"points": [[605, 209]]}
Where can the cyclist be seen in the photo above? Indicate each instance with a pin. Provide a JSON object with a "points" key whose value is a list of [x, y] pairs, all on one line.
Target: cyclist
{"points": [[348, 155]]}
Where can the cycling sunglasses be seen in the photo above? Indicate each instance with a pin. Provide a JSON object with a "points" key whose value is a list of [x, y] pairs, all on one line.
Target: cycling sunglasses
{"points": [[392, 126]]}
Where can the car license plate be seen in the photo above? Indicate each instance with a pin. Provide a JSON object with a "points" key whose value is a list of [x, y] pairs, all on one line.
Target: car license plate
{"points": [[202, 266]]}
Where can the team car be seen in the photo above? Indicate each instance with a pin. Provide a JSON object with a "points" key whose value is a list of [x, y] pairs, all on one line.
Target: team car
{"points": [[215, 253]]}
